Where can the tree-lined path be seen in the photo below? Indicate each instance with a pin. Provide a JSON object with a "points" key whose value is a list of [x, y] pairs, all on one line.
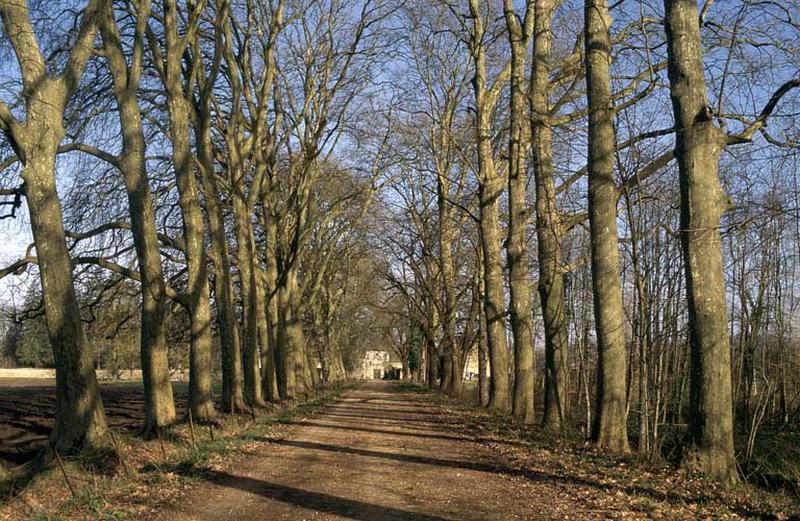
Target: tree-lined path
{"points": [[387, 451], [590, 209], [377, 453]]}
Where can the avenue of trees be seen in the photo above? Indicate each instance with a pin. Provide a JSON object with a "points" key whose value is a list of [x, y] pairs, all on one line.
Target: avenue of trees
{"points": [[599, 209], [597, 202]]}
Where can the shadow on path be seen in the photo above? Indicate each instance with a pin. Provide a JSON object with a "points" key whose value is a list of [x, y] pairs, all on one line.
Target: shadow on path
{"points": [[408, 458], [349, 508], [408, 433], [533, 475]]}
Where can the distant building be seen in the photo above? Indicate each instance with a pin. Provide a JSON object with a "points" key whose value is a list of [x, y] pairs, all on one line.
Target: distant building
{"points": [[471, 366], [378, 364]]}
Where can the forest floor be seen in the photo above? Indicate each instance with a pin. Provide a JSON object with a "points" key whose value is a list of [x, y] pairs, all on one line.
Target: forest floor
{"points": [[388, 451], [378, 451]]}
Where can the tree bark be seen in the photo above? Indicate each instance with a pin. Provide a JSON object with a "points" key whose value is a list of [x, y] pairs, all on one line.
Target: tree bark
{"points": [[247, 280], [79, 419], [698, 147], [200, 395], [517, 250], [609, 429], [229, 337], [291, 338], [451, 382], [265, 340], [548, 224], [275, 377], [159, 402], [490, 188]]}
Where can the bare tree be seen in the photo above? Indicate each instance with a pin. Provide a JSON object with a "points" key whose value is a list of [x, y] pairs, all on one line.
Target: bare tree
{"points": [[609, 429], [519, 32], [159, 404], [80, 420]]}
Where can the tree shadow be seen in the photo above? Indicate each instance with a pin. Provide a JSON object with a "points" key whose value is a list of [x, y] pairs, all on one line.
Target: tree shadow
{"points": [[530, 474], [410, 434], [379, 415], [316, 501]]}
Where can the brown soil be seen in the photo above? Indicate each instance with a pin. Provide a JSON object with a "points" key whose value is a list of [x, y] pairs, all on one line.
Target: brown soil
{"points": [[377, 453], [383, 452], [27, 408]]}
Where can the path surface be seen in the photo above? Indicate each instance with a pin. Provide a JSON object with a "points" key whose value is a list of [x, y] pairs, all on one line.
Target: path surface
{"points": [[377, 453]]}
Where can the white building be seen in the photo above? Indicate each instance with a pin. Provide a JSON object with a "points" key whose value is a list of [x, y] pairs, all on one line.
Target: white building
{"points": [[377, 364]]}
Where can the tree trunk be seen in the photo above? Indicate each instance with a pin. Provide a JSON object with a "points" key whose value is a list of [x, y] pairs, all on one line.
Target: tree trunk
{"points": [[698, 147], [548, 224], [159, 402], [274, 327], [433, 363], [232, 395], [249, 295], [483, 345], [79, 418], [200, 396], [490, 188], [449, 381], [609, 430], [447, 370], [457, 373], [292, 339], [517, 249], [265, 340]]}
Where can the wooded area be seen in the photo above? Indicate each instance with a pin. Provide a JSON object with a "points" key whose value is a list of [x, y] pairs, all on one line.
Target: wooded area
{"points": [[597, 205]]}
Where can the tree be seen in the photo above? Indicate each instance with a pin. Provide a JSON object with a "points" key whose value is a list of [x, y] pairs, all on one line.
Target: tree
{"points": [[169, 65], [519, 33], [549, 228], [159, 403], [609, 429], [698, 146], [490, 188], [80, 419], [224, 296]]}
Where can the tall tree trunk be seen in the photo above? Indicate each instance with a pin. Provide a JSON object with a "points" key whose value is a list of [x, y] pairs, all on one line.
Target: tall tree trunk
{"points": [[292, 340], [268, 381], [457, 368], [483, 344], [249, 295], [447, 370], [490, 188], [698, 147], [79, 419], [285, 366], [450, 381], [158, 398], [272, 380], [200, 395], [229, 338], [493, 304], [274, 322], [433, 363], [609, 430], [548, 223], [517, 250], [159, 403]]}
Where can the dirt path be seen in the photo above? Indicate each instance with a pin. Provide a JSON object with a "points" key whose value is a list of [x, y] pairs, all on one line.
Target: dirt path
{"points": [[377, 453]]}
